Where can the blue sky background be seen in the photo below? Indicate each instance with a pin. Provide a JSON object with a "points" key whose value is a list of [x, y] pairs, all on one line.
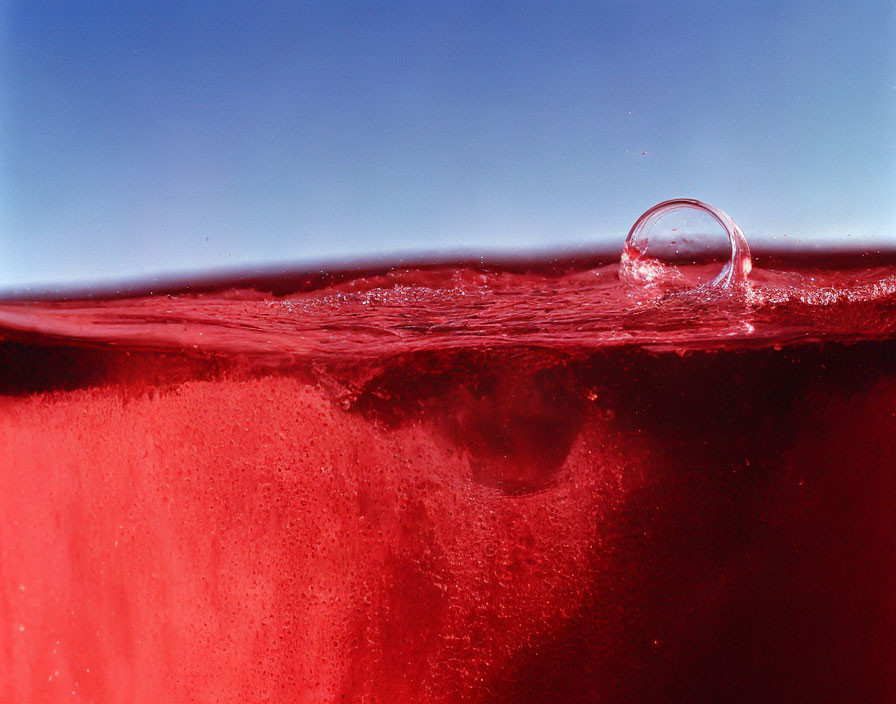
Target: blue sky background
{"points": [[162, 137]]}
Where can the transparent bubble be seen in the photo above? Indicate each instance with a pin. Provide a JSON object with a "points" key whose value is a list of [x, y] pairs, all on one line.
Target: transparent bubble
{"points": [[685, 244]]}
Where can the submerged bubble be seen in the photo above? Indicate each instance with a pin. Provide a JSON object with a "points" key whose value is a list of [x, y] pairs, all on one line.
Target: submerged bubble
{"points": [[684, 243]]}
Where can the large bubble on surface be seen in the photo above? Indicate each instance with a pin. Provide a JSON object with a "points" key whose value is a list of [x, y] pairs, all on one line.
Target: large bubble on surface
{"points": [[684, 243]]}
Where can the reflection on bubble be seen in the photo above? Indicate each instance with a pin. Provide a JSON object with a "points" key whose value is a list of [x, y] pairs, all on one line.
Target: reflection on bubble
{"points": [[684, 243]]}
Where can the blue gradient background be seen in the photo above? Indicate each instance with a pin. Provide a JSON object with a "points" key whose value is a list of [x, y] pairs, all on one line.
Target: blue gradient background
{"points": [[142, 138]]}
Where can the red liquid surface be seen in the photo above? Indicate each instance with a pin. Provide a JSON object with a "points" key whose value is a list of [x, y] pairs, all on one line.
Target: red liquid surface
{"points": [[452, 485]]}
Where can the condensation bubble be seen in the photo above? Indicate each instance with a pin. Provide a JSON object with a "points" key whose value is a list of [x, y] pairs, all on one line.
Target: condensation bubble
{"points": [[685, 244]]}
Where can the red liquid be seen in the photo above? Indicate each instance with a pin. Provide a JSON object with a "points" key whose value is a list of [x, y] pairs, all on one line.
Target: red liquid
{"points": [[453, 485]]}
